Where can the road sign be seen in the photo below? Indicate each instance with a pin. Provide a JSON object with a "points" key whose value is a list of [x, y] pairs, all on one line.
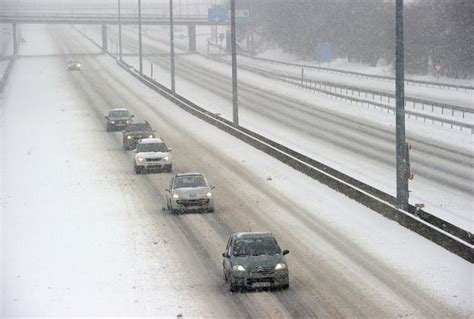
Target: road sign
{"points": [[324, 52], [242, 16], [437, 67], [217, 14]]}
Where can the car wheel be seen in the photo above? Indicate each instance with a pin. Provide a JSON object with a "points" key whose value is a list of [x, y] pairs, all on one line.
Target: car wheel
{"points": [[233, 288], [138, 170], [210, 210], [285, 286]]}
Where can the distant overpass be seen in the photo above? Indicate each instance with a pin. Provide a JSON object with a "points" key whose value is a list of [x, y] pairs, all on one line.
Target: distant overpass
{"points": [[104, 19], [62, 18]]}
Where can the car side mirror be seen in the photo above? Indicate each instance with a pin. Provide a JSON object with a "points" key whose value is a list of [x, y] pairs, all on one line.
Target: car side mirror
{"points": [[225, 255], [132, 115], [153, 130], [285, 252], [106, 117], [170, 149], [212, 187], [167, 190]]}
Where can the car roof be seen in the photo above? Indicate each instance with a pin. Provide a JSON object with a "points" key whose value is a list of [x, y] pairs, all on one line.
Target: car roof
{"points": [[188, 174], [151, 140], [244, 235], [118, 109]]}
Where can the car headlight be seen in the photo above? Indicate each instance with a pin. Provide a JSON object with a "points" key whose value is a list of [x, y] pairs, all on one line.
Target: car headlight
{"points": [[209, 194], [127, 121], [112, 122], [151, 136], [175, 196], [238, 268], [140, 159], [166, 158], [280, 266], [129, 137]]}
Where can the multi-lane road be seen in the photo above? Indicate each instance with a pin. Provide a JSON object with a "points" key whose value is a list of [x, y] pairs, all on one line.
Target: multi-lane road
{"points": [[84, 235], [361, 146]]}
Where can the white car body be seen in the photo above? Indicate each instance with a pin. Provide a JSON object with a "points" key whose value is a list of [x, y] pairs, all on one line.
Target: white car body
{"points": [[192, 197], [152, 154]]}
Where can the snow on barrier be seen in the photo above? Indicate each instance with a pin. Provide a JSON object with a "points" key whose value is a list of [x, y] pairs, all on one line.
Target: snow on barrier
{"points": [[446, 235], [362, 75], [322, 87]]}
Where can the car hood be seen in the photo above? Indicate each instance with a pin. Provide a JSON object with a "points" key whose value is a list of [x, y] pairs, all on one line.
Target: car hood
{"points": [[153, 154], [192, 193], [251, 263], [119, 118]]}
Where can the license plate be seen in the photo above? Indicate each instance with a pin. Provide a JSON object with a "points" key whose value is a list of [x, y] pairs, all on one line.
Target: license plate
{"points": [[261, 284]]}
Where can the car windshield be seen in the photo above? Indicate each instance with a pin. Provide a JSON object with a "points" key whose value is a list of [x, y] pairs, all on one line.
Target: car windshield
{"points": [[152, 147], [118, 114], [255, 247], [138, 127], [189, 181]]}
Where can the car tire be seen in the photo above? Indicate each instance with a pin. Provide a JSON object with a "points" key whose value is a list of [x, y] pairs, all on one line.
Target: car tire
{"points": [[233, 288], [138, 170], [169, 169], [210, 210], [284, 287]]}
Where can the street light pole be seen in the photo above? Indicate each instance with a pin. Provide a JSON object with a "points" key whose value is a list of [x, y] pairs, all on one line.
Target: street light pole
{"points": [[235, 100], [172, 48], [120, 30], [401, 147], [140, 53]]}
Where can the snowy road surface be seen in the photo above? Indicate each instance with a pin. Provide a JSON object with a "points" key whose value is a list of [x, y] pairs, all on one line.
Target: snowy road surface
{"points": [[356, 140], [83, 235]]}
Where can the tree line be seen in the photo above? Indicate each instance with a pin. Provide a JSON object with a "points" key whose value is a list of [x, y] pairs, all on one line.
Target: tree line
{"points": [[437, 32]]}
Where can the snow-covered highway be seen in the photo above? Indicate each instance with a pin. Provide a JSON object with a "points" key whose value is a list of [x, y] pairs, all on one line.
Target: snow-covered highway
{"points": [[356, 141], [83, 235]]}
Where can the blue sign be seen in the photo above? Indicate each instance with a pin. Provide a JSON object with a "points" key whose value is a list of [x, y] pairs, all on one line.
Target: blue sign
{"points": [[324, 52], [217, 14]]}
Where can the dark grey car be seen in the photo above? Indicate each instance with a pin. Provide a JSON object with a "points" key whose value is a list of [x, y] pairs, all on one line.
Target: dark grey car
{"points": [[118, 119], [134, 132], [254, 260]]}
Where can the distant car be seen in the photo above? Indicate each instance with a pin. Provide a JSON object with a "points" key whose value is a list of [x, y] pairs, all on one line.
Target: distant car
{"points": [[152, 154], [134, 132], [254, 260], [189, 192], [118, 119], [74, 65]]}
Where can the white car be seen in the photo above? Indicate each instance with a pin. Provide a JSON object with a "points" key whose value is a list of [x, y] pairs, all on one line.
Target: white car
{"points": [[152, 154], [189, 192]]}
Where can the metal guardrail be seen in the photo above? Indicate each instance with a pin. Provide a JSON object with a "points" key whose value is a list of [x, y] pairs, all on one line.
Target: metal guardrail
{"points": [[448, 236], [6, 76], [313, 86], [363, 75]]}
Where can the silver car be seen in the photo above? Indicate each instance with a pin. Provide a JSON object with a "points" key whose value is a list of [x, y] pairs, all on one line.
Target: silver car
{"points": [[189, 192]]}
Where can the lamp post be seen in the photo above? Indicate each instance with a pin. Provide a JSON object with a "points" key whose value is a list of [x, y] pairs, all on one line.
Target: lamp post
{"points": [[120, 30], [401, 146], [235, 100], [140, 53], [172, 66]]}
